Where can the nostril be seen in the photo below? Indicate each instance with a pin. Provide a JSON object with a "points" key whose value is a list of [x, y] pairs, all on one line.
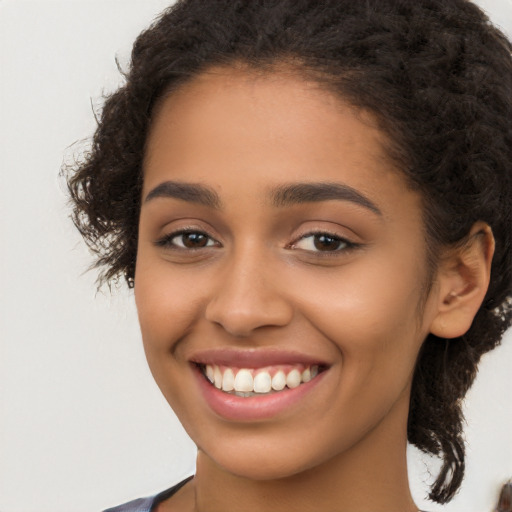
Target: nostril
{"points": [[240, 315]]}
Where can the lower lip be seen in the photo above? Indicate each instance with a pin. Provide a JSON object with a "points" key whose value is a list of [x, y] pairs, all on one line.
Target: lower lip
{"points": [[252, 408]]}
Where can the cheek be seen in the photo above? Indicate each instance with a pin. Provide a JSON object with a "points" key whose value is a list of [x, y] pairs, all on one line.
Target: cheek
{"points": [[371, 314], [369, 303], [167, 304], [165, 312], [165, 315]]}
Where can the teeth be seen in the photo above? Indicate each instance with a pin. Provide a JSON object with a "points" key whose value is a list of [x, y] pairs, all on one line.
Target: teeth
{"points": [[293, 379], [244, 381], [248, 382], [262, 383], [228, 380], [210, 374], [217, 377], [279, 381]]}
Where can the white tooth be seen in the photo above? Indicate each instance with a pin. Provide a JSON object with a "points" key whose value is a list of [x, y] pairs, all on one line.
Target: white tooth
{"points": [[244, 381], [209, 373], [306, 375], [228, 381], [278, 381], [314, 371], [293, 379], [217, 377], [262, 383]]}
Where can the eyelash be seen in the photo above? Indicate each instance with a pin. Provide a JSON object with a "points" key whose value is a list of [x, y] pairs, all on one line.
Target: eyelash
{"points": [[168, 241], [346, 245]]}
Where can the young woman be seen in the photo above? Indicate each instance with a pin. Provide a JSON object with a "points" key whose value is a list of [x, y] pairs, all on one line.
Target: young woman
{"points": [[312, 201]]}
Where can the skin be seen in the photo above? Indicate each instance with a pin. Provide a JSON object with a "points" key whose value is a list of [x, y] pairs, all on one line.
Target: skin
{"points": [[261, 284]]}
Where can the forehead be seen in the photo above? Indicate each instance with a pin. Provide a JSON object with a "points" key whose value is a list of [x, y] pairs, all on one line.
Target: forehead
{"points": [[266, 130], [274, 107]]}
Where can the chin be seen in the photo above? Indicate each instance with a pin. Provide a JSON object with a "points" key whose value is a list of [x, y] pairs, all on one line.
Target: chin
{"points": [[261, 471], [260, 463]]}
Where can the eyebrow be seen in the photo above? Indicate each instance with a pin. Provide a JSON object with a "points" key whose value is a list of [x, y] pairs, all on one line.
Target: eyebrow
{"points": [[298, 193], [190, 192], [281, 196]]}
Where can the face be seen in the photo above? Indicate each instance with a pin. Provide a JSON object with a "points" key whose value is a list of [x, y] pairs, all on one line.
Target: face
{"points": [[280, 254]]}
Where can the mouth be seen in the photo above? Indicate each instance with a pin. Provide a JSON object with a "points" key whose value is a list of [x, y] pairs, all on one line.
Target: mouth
{"points": [[267, 380], [258, 385]]}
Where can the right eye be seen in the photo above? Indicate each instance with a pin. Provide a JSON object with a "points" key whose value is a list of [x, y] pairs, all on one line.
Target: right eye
{"points": [[187, 240]]}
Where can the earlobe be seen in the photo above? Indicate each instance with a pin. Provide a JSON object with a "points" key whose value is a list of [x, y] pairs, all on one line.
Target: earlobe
{"points": [[463, 279]]}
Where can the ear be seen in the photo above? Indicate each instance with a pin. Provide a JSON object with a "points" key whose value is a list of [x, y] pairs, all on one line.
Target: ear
{"points": [[463, 278]]}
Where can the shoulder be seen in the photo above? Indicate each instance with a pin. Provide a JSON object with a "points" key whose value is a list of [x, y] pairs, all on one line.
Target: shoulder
{"points": [[147, 504]]}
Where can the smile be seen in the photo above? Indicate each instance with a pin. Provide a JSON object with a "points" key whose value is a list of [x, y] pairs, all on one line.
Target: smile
{"points": [[258, 385], [247, 382]]}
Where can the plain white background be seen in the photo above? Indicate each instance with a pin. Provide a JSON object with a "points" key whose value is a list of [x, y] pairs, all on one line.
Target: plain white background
{"points": [[82, 425]]}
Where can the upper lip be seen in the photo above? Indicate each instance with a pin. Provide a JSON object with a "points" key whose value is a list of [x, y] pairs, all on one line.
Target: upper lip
{"points": [[252, 358]]}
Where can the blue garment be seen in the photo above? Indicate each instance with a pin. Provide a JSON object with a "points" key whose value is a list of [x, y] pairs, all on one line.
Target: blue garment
{"points": [[148, 504]]}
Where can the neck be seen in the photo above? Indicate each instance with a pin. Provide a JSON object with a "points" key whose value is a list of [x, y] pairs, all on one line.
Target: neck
{"points": [[370, 477]]}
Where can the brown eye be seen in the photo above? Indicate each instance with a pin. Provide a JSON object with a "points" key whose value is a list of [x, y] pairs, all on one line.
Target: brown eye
{"points": [[322, 242], [194, 240], [327, 243], [187, 240]]}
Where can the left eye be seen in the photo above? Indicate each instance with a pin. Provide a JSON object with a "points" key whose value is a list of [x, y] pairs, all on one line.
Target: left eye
{"points": [[322, 242], [187, 240]]}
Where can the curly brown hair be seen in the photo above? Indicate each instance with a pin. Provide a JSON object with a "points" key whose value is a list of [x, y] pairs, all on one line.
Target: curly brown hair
{"points": [[435, 74]]}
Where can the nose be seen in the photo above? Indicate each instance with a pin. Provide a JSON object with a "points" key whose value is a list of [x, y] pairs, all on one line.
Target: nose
{"points": [[248, 296]]}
